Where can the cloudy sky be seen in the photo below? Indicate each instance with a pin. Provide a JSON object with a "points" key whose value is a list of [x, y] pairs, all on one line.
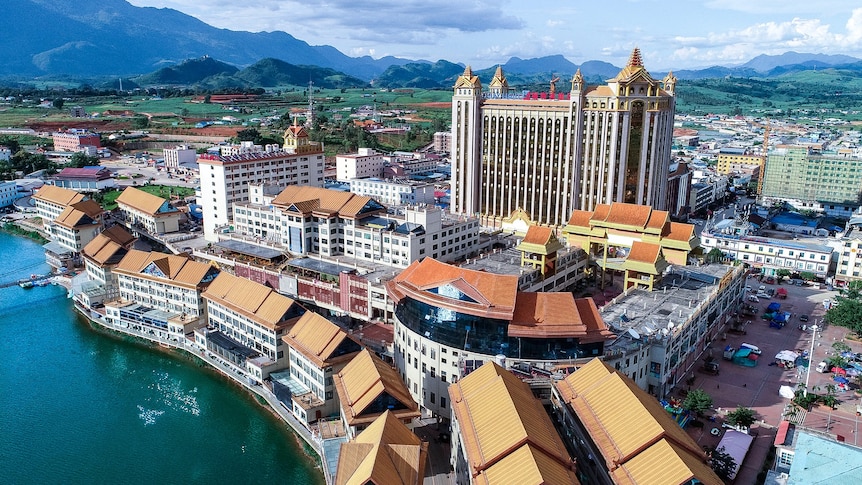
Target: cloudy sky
{"points": [[672, 34]]}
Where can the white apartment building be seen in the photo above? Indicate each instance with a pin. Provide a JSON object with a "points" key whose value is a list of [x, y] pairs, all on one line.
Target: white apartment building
{"points": [[161, 292], [8, 193], [408, 164], [318, 349], [101, 256], [365, 163], [50, 201], [246, 322], [180, 155], [150, 212], [324, 222], [77, 225], [394, 192], [443, 141], [770, 254], [225, 179]]}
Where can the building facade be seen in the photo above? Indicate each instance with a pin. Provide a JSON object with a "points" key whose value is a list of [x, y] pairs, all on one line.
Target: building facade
{"points": [[180, 155], [142, 210], [450, 320], [395, 191], [8, 193], [825, 181], [769, 254], [366, 162], [86, 179], [225, 179], [553, 153], [75, 140], [731, 160], [50, 201]]}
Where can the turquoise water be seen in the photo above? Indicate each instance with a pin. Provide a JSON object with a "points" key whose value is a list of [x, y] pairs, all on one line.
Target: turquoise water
{"points": [[77, 406]]}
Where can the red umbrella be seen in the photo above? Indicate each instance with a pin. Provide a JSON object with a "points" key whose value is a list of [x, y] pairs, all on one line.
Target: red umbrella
{"points": [[839, 371]]}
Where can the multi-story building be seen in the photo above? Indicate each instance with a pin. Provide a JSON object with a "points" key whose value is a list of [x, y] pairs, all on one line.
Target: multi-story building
{"points": [[825, 181], [386, 452], [849, 266], [596, 406], [553, 153], [408, 164], [180, 155], [85, 179], [770, 254], [663, 332], [161, 293], [366, 162], [225, 179], [317, 350], [678, 188], [450, 320], [367, 388], [5, 153], [101, 256], [502, 434], [443, 141], [149, 212], [8, 193], [50, 201], [394, 191], [247, 321], [73, 229], [731, 160], [75, 140], [333, 223]]}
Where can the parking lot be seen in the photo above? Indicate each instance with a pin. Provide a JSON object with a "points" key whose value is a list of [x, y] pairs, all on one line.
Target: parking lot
{"points": [[757, 387]]}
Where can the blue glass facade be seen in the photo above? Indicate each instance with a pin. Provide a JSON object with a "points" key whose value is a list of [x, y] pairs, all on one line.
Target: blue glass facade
{"points": [[485, 335]]}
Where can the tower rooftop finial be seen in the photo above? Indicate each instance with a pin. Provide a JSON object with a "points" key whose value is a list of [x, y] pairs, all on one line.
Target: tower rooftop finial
{"points": [[635, 58]]}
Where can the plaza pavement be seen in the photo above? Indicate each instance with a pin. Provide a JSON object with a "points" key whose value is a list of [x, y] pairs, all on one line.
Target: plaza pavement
{"points": [[757, 387]]}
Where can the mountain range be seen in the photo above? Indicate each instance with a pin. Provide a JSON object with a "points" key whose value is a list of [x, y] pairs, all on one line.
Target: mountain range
{"points": [[100, 38]]}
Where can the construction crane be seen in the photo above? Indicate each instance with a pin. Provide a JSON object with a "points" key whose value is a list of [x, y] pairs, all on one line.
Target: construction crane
{"points": [[763, 155]]}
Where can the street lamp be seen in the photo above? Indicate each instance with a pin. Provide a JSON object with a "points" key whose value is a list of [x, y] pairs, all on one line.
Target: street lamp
{"points": [[810, 358]]}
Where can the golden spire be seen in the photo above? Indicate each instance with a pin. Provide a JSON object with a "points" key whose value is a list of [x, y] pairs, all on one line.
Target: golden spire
{"points": [[468, 79], [499, 78], [578, 81], [669, 83]]}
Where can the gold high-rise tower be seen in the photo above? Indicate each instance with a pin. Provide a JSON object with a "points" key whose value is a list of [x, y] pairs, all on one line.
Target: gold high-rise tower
{"points": [[552, 154]]}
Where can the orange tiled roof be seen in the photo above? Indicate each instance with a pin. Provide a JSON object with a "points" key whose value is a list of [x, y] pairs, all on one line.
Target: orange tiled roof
{"points": [[58, 195], [143, 201], [538, 235], [103, 250], [318, 339], [326, 201], [258, 302], [180, 269], [386, 452], [580, 218], [506, 433], [657, 220], [558, 315], [489, 294], [628, 214], [678, 231], [83, 213], [119, 235], [627, 425], [644, 252], [600, 213], [365, 379]]}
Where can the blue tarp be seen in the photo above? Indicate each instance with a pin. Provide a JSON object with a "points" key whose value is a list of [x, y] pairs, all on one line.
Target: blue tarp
{"points": [[773, 307]]}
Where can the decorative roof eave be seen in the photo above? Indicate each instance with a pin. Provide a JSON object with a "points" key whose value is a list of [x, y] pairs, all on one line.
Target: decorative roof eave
{"points": [[403, 289]]}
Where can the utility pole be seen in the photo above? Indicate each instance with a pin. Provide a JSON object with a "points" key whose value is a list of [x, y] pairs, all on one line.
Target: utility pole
{"points": [[814, 329]]}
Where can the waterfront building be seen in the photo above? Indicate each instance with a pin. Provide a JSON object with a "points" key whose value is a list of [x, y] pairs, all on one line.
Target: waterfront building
{"points": [[317, 349], [161, 293], [225, 179], [552, 153], [50, 201], [810, 179], [394, 191], [598, 407], [450, 320], [502, 434], [101, 256], [368, 387], [385, 453], [8, 193], [85, 179], [75, 140], [662, 333], [77, 225], [180, 155], [247, 321], [366, 162], [149, 212], [767, 254]]}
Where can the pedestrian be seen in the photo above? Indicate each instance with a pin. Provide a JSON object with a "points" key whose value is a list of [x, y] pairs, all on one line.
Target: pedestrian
{"points": [[717, 386]]}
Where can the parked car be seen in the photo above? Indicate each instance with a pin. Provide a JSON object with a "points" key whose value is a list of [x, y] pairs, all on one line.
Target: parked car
{"points": [[803, 318]]}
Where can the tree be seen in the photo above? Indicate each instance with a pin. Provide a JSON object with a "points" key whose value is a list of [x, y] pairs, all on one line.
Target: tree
{"points": [[807, 276], [140, 122], [58, 103], [714, 255], [847, 312], [697, 401], [782, 273], [81, 159], [722, 463], [741, 416]]}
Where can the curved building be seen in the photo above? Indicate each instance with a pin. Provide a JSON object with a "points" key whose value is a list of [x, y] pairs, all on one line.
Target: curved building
{"points": [[450, 320]]}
